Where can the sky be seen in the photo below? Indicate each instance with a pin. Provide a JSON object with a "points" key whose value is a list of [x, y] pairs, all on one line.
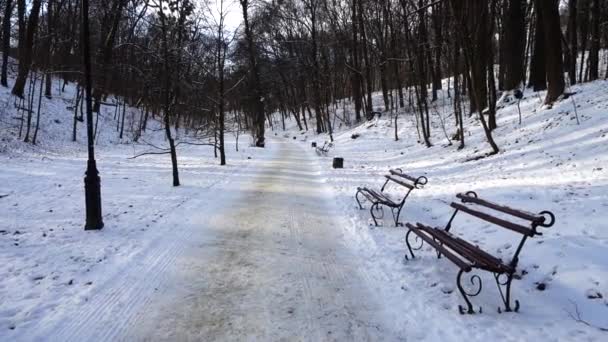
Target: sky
{"points": [[234, 15]]}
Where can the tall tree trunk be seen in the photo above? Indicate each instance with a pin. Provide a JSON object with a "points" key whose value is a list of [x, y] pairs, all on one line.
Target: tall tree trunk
{"points": [[368, 69], [584, 34], [167, 95], [49, 49], [437, 18], [515, 44], [538, 71], [553, 49], [6, 41], [571, 33], [356, 74], [105, 53], [221, 58], [259, 114], [594, 47], [395, 63], [478, 17], [468, 47], [491, 77], [316, 87], [25, 60]]}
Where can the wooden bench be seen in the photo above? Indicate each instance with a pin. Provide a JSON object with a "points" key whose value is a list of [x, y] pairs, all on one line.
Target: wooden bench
{"points": [[468, 256], [325, 148], [379, 198]]}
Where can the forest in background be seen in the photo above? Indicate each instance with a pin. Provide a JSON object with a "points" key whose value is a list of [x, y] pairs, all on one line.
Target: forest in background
{"points": [[181, 62]]}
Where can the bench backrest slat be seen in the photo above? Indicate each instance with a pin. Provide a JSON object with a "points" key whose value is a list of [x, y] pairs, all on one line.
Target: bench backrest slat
{"points": [[515, 212], [403, 175], [400, 182], [493, 219]]}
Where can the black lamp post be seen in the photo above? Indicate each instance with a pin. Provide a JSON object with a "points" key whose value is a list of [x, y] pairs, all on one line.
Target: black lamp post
{"points": [[92, 188]]}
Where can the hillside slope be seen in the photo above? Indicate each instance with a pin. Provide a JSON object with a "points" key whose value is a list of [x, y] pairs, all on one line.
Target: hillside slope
{"points": [[549, 162]]}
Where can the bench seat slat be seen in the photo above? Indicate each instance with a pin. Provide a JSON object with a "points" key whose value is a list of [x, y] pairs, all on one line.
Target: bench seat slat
{"points": [[473, 253], [493, 219], [427, 237], [502, 208], [384, 199], [373, 195], [478, 257]]}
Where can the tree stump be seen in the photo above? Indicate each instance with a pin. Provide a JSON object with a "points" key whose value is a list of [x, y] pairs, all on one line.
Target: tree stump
{"points": [[338, 163]]}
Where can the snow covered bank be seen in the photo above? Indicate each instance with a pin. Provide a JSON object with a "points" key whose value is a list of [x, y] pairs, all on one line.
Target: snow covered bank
{"points": [[48, 263], [549, 162]]}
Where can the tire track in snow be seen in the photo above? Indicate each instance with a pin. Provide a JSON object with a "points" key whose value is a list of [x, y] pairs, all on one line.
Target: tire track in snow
{"points": [[275, 267], [112, 309]]}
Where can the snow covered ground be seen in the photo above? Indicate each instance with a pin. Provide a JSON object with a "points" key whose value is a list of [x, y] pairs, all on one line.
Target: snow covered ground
{"points": [[274, 247], [549, 162]]}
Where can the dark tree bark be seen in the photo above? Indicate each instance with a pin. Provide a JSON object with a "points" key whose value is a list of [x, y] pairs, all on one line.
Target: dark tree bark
{"points": [[583, 21], [594, 47], [395, 63], [167, 95], [478, 19], [106, 52], [6, 42], [571, 33], [368, 69], [515, 44], [553, 49], [221, 60], [316, 87], [538, 72], [437, 19], [468, 46], [49, 49], [258, 105], [356, 73]]}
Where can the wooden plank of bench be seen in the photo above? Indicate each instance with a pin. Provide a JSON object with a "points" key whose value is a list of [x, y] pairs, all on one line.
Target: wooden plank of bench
{"points": [[473, 253], [382, 196], [401, 174], [367, 193], [451, 241], [507, 210], [373, 195], [493, 219], [447, 253], [400, 182]]}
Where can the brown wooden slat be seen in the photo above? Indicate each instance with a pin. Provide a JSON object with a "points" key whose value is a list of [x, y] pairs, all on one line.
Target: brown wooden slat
{"points": [[401, 174], [374, 195], [400, 182], [447, 253], [474, 253], [461, 249], [493, 219], [502, 208]]}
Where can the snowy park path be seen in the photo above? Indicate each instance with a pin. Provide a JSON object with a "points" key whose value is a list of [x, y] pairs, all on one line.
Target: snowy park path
{"points": [[271, 264], [261, 255]]}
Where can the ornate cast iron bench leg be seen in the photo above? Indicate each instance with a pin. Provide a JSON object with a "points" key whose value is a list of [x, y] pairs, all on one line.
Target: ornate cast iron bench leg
{"points": [[396, 217], [377, 207], [409, 245], [358, 200], [475, 280], [505, 294]]}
